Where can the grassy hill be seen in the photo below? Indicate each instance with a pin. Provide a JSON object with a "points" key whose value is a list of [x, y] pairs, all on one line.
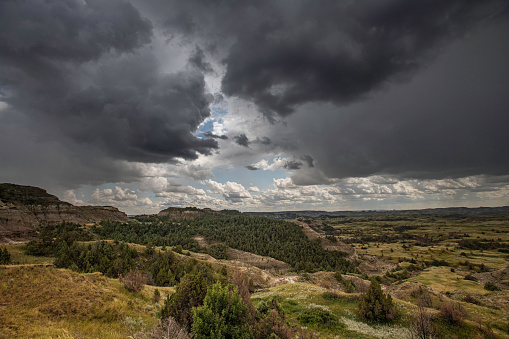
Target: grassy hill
{"points": [[457, 266], [40, 301]]}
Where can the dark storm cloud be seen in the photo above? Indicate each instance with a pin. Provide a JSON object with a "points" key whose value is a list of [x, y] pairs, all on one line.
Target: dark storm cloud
{"points": [[215, 136], [38, 32], [282, 54], [82, 71], [330, 62], [149, 118], [292, 165], [340, 52], [197, 60], [82, 79], [263, 140], [241, 140], [449, 122], [308, 160]]}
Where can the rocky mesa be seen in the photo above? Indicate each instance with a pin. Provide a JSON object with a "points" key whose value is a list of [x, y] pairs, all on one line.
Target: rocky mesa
{"points": [[23, 208]]}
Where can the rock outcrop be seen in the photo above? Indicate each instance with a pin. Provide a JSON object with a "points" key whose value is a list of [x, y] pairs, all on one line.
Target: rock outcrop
{"points": [[23, 208]]}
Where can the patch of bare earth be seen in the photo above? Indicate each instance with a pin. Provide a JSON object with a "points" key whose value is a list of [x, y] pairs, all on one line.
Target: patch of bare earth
{"points": [[261, 277], [204, 243], [374, 265], [265, 263], [498, 277]]}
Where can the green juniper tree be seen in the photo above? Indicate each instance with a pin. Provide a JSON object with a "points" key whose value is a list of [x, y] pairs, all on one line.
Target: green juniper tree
{"points": [[223, 315], [375, 305]]}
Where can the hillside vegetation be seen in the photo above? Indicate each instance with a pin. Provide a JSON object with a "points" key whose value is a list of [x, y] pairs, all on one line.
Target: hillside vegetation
{"points": [[404, 277], [39, 301], [280, 240]]}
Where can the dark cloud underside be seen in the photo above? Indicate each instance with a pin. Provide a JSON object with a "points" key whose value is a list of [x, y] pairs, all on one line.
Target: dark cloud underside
{"points": [[241, 140], [286, 54], [448, 122], [86, 84], [83, 71]]}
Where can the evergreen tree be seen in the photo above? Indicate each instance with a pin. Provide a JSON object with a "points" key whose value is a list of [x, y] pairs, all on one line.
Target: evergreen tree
{"points": [[375, 305], [190, 293], [223, 315]]}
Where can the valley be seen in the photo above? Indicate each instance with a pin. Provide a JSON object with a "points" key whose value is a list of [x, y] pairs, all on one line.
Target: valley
{"points": [[305, 277]]}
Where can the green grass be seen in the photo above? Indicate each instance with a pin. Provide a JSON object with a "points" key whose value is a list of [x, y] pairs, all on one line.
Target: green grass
{"points": [[297, 298], [443, 280], [19, 257]]}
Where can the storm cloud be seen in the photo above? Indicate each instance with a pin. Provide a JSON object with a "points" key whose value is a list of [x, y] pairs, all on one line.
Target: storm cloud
{"points": [[341, 52], [85, 72], [425, 129], [215, 136], [282, 54], [241, 140], [147, 93]]}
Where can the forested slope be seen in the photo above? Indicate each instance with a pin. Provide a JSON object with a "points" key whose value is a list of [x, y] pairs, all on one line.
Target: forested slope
{"points": [[281, 240]]}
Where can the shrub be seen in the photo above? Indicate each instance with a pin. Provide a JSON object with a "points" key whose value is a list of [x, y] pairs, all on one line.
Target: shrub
{"points": [[470, 277], [271, 322], [149, 249], [452, 313], [421, 323], [424, 297], [489, 286], [190, 293], [218, 251], [375, 305], [133, 281], [223, 315], [349, 286], [319, 317], [330, 296], [470, 299], [5, 256]]}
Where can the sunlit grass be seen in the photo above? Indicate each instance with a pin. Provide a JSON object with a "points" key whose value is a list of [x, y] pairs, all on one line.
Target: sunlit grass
{"points": [[18, 256], [39, 302]]}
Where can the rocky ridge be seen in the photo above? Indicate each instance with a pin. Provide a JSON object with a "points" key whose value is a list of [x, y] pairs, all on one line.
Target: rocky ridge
{"points": [[23, 208]]}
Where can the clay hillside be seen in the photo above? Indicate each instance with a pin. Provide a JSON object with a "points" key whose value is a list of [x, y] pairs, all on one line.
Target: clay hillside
{"points": [[23, 208]]}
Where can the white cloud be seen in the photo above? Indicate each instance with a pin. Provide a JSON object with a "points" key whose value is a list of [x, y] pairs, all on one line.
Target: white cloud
{"points": [[231, 191], [118, 197], [70, 196]]}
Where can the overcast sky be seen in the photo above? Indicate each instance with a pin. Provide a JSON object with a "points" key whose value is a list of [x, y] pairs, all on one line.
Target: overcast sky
{"points": [[257, 105]]}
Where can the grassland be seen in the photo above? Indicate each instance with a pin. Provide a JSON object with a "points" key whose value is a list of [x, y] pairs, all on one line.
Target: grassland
{"points": [[424, 237], [38, 301], [443, 255]]}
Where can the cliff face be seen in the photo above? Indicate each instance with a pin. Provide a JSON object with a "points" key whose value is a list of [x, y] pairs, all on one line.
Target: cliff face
{"points": [[23, 208]]}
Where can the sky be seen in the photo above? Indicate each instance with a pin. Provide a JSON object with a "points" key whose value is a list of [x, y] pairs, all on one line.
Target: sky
{"points": [[257, 105]]}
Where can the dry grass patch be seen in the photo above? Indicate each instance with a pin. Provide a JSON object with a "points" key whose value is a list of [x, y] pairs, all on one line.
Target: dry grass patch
{"points": [[41, 301]]}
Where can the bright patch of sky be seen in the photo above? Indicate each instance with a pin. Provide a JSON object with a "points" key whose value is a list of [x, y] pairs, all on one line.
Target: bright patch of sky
{"points": [[260, 178], [214, 123]]}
